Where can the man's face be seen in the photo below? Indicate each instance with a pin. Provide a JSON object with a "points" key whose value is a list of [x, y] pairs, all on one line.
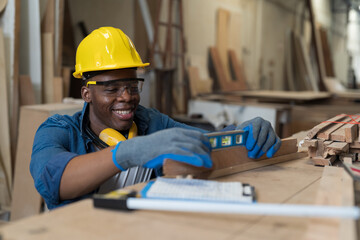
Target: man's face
{"points": [[108, 107]]}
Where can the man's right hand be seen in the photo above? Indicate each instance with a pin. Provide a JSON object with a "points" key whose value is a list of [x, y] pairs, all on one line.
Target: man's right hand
{"points": [[183, 145]]}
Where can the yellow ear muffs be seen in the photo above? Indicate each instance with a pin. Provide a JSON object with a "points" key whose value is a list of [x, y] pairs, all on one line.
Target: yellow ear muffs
{"points": [[112, 137]]}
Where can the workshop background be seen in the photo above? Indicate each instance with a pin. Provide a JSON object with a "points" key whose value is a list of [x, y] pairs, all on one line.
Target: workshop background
{"points": [[214, 63]]}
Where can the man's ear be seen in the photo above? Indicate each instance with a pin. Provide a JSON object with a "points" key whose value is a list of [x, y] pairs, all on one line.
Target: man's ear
{"points": [[86, 94]]}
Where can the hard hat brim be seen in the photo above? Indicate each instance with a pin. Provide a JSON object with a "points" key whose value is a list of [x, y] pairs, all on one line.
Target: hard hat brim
{"points": [[78, 74]]}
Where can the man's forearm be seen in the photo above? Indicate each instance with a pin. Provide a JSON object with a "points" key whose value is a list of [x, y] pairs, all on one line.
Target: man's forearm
{"points": [[85, 173]]}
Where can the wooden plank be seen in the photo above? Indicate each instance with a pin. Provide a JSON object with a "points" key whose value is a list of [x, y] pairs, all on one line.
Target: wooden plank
{"points": [[293, 182], [285, 96], [312, 133], [328, 62], [335, 148], [303, 77], [222, 39], [289, 62], [66, 75], [27, 94], [58, 89], [224, 161], [335, 189], [48, 21], [5, 148], [321, 148], [197, 85], [15, 85], [238, 70], [310, 143], [317, 45], [308, 65], [325, 133], [48, 67], [323, 161], [346, 133], [219, 72], [218, 69], [59, 28]]}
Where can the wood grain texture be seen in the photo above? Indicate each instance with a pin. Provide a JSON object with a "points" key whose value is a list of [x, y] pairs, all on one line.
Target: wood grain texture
{"points": [[312, 133], [292, 182], [325, 133], [231, 160], [335, 189], [336, 148]]}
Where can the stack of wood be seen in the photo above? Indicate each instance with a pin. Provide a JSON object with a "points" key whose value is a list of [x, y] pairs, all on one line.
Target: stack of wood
{"points": [[336, 138]]}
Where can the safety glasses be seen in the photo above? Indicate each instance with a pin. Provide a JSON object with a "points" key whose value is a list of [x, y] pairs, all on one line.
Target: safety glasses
{"points": [[118, 86]]}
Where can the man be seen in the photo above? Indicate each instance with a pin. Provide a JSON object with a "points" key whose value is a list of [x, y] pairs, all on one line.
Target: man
{"points": [[70, 162]]}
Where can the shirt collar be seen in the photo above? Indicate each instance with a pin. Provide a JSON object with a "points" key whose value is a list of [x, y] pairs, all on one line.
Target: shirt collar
{"points": [[85, 110]]}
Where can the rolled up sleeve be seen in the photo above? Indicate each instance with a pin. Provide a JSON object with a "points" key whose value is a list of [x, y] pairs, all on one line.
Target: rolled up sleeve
{"points": [[51, 153]]}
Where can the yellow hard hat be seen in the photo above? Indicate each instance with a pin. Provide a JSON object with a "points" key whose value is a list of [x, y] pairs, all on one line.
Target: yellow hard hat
{"points": [[106, 48]]}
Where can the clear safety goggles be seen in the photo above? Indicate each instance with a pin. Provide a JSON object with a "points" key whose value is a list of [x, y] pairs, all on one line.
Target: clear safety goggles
{"points": [[118, 86]]}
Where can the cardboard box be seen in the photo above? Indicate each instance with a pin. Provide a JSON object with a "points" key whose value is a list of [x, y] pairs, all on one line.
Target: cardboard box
{"points": [[26, 201]]}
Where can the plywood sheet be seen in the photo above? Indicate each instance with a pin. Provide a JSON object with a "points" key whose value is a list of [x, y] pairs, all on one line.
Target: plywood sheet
{"points": [[26, 200], [5, 150]]}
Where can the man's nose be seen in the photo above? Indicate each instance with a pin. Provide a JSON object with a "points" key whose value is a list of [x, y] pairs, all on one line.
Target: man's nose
{"points": [[124, 94]]}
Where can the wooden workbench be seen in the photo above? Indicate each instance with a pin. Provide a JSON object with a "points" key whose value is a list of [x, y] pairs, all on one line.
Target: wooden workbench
{"points": [[293, 182]]}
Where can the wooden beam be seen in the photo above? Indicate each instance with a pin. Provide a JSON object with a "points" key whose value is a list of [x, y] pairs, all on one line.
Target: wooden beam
{"points": [[321, 161], [197, 85], [222, 39], [5, 147], [325, 133], [238, 70], [312, 133], [317, 44], [48, 67], [348, 132], [335, 148], [58, 89], [59, 26], [218, 71], [310, 143], [335, 189], [27, 94], [232, 160]]}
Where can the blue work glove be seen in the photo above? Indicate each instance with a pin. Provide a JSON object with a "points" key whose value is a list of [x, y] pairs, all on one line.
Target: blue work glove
{"points": [[261, 138], [183, 145]]}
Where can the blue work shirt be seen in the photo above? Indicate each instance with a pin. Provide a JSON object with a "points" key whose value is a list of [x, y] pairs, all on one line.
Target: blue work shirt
{"points": [[61, 138]]}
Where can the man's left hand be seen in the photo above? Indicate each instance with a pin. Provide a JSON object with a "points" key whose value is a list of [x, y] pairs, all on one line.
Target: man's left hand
{"points": [[261, 138]]}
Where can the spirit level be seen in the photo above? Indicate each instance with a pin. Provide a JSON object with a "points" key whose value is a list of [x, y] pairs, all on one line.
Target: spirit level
{"points": [[225, 139]]}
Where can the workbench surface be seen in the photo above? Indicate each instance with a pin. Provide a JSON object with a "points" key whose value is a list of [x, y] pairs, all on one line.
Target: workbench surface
{"points": [[293, 182]]}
